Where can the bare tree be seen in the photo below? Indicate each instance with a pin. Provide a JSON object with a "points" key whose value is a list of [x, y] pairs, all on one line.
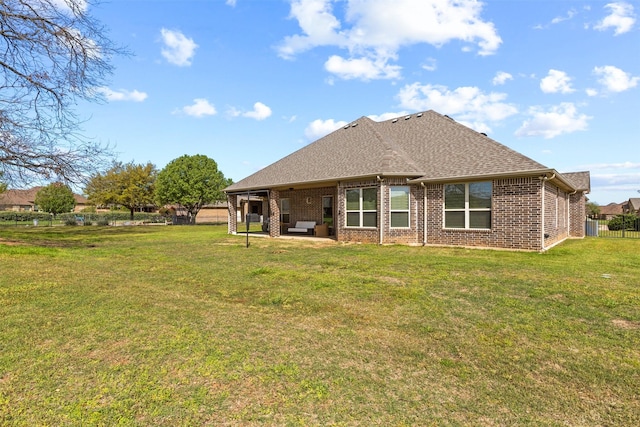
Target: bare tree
{"points": [[53, 54]]}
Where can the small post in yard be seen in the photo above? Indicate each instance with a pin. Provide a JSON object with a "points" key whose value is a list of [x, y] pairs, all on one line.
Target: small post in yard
{"points": [[248, 219]]}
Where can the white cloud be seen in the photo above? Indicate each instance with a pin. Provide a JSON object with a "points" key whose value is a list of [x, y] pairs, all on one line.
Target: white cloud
{"points": [[556, 81], [430, 64], [373, 31], [622, 165], [231, 3], [200, 108], [122, 94], [614, 79], [362, 68], [624, 182], [470, 105], [621, 18], [591, 92], [69, 5], [260, 112], [319, 128], [558, 120], [558, 19], [386, 116], [501, 78], [178, 49]]}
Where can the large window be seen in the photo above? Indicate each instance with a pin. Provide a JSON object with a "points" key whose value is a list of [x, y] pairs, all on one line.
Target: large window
{"points": [[467, 205], [362, 207], [399, 207], [285, 208]]}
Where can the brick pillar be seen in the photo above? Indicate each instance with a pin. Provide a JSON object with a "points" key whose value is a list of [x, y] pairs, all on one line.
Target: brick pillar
{"points": [[232, 203], [274, 213]]}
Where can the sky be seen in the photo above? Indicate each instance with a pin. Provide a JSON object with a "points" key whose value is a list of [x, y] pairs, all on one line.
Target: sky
{"points": [[247, 82]]}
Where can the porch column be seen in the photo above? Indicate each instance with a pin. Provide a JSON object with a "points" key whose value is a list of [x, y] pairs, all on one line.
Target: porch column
{"points": [[232, 223], [274, 213]]}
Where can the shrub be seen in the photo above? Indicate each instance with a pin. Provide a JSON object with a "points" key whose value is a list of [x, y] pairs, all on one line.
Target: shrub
{"points": [[70, 221], [625, 222]]}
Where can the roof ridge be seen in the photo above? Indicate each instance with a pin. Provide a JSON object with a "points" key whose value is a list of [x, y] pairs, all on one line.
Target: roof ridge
{"points": [[391, 148]]}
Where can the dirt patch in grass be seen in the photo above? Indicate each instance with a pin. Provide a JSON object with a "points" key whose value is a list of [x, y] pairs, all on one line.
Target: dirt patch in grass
{"points": [[626, 324], [9, 242]]}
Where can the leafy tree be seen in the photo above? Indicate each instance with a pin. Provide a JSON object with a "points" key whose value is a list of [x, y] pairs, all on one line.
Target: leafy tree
{"points": [[191, 182], [593, 210], [55, 198], [3, 185], [128, 185], [53, 54]]}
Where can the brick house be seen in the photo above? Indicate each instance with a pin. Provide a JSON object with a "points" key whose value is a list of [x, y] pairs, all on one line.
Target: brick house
{"points": [[420, 179], [24, 200]]}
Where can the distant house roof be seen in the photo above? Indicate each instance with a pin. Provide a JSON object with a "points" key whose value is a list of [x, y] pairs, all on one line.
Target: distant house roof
{"points": [[611, 209], [425, 147], [28, 197]]}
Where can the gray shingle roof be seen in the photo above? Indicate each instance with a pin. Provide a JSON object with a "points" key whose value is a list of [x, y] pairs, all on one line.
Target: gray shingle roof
{"points": [[425, 146], [580, 181]]}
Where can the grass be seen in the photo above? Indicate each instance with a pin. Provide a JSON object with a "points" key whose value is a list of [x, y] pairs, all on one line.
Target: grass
{"points": [[163, 326]]}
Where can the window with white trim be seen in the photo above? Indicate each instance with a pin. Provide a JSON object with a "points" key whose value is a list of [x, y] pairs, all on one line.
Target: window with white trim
{"points": [[467, 206], [285, 210], [399, 207], [362, 207]]}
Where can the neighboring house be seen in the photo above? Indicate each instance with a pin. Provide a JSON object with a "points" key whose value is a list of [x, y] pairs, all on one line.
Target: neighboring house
{"points": [[632, 206], [418, 179], [611, 210], [24, 200], [215, 213]]}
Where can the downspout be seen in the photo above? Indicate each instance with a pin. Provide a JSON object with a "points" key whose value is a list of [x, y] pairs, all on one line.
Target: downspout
{"points": [[381, 236], [424, 213]]}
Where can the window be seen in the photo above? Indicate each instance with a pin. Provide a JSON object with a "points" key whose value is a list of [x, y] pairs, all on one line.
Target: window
{"points": [[467, 205], [362, 207], [285, 217], [399, 207]]}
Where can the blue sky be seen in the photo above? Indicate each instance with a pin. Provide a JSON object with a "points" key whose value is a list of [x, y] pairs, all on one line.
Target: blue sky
{"points": [[247, 82]]}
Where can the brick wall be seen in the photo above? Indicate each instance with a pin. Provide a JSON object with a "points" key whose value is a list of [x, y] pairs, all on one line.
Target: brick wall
{"points": [[351, 234], [516, 221], [577, 214], [515, 217], [556, 214], [232, 225], [274, 213]]}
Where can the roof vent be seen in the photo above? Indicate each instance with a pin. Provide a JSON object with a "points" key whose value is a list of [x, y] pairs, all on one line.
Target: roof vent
{"points": [[346, 127], [407, 117], [394, 120], [354, 124], [482, 133], [419, 115]]}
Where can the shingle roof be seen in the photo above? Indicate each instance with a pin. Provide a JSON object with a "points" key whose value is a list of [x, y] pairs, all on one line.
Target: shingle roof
{"points": [[611, 209], [634, 203], [580, 181], [426, 146], [28, 197]]}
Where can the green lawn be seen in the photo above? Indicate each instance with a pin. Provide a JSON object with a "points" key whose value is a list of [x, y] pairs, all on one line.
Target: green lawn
{"points": [[168, 326]]}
